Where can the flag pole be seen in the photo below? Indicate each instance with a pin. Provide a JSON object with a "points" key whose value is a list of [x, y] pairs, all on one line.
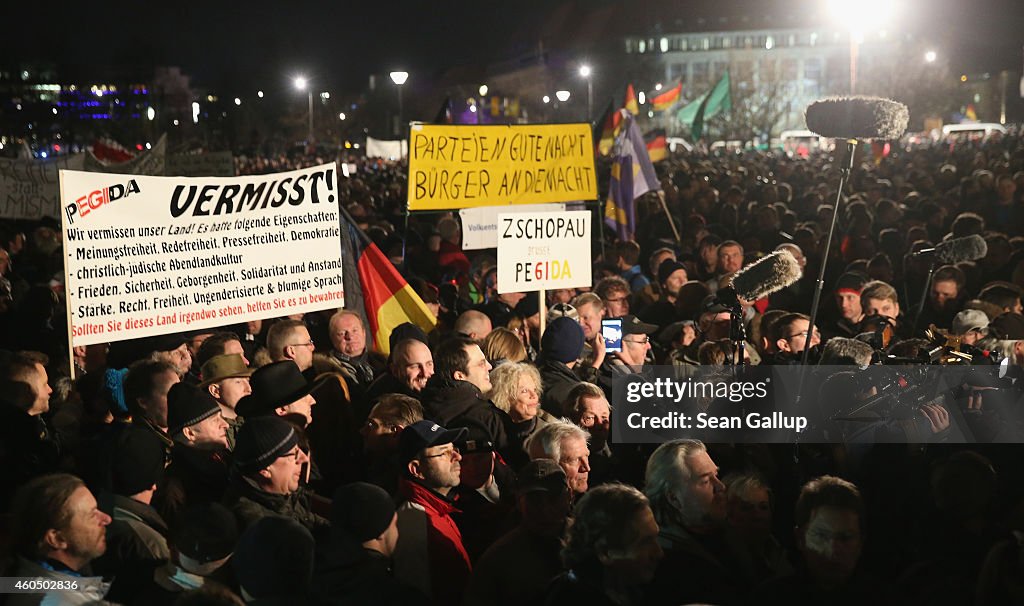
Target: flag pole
{"points": [[542, 294], [668, 215]]}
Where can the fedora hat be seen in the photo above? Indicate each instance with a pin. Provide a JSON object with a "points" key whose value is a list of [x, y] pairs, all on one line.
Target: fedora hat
{"points": [[275, 385], [224, 366]]}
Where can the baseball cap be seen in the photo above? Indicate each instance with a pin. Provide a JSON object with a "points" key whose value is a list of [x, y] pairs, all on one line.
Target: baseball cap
{"points": [[631, 325], [424, 434], [542, 475], [968, 320]]}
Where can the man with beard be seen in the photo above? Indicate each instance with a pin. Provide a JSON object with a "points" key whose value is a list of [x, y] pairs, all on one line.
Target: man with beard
{"points": [[701, 563], [58, 529], [671, 276], [945, 297], [431, 556]]}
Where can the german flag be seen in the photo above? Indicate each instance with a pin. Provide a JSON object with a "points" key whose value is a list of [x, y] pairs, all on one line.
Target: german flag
{"points": [[605, 131], [388, 298], [657, 146], [630, 102], [668, 98]]}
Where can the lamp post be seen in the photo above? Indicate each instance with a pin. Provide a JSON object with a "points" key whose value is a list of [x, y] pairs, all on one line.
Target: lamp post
{"points": [[399, 79], [302, 84], [586, 72], [859, 16]]}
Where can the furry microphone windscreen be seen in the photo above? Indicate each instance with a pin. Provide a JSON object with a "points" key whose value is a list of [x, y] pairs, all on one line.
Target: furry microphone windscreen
{"points": [[862, 118], [770, 274], [968, 248]]}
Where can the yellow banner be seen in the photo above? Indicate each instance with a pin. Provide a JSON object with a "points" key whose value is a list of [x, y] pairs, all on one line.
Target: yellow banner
{"points": [[465, 166]]}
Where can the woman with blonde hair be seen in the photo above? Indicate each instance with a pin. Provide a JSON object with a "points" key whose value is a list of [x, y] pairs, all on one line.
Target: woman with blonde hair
{"points": [[516, 389], [503, 345]]}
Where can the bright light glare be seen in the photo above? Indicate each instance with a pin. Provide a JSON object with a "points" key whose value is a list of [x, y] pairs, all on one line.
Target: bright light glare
{"points": [[585, 71], [861, 15], [150, 113], [483, 90], [642, 98], [300, 82], [342, 116], [399, 78], [547, 99], [562, 95], [238, 101], [259, 94], [930, 56]]}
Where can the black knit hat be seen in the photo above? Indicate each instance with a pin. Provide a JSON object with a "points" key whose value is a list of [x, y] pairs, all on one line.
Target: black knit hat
{"points": [[563, 340], [362, 511], [667, 268], [207, 533], [139, 458], [274, 558], [528, 306], [406, 330], [261, 440], [852, 281], [188, 405]]}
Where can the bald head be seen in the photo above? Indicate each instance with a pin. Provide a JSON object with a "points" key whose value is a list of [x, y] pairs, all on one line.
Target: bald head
{"points": [[474, 324], [412, 364]]}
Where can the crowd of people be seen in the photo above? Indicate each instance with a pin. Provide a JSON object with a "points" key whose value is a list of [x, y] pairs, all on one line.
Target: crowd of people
{"points": [[286, 461]]}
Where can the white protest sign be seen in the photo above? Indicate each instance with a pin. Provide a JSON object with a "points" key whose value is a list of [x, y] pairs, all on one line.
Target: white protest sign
{"points": [[381, 148], [155, 255], [543, 251], [29, 188], [480, 224], [211, 164]]}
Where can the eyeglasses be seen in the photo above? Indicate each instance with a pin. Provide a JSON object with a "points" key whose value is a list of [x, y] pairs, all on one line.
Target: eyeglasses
{"points": [[451, 454], [310, 344], [642, 341], [802, 334]]}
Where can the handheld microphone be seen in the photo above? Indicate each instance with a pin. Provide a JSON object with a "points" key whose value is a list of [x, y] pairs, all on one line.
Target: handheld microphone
{"points": [[958, 250], [859, 117], [766, 276]]}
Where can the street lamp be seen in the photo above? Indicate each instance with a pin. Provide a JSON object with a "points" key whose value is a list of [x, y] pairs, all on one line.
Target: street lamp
{"points": [[562, 95], [302, 84], [585, 72], [483, 90], [399, 79], [930, 56], [859, 16]]}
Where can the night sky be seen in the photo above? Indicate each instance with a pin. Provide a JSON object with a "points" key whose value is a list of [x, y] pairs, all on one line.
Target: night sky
{"points": [[241, 46]]}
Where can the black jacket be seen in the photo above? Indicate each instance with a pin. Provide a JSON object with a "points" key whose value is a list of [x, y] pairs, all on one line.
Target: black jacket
{"points": [[355, 575], [460, 404], [250, 504], [29, 447], [194, 476], [558, 380]]}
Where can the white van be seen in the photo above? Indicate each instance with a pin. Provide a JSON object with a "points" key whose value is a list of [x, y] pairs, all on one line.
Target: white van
{"points": [[975, 130]]}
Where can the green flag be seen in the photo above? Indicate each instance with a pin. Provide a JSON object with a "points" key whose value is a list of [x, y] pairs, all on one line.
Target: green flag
{"points": [[717, 101]]}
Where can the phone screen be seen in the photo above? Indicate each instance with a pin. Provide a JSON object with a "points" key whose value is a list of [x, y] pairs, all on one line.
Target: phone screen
{"points": [[611, 331]]}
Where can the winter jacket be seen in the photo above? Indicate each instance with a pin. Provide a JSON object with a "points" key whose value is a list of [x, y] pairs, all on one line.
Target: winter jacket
{"points": [[460, 404], [430, 555], [250, 504], [558, 380]]}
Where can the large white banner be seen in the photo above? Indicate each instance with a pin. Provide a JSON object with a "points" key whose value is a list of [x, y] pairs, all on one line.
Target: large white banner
{"points": [[543, 251], [29, 188], [155, 255], [480, 224], [392, 150]]}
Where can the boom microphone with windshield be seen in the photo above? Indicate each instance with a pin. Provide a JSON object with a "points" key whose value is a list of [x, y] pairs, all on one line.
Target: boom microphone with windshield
{"points": [[766, 276], [958, 250], [863, 118], [854, 119]]}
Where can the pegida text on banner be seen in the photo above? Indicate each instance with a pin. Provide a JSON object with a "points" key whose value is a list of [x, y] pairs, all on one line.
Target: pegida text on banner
{"points": [[156, 255], [465, 166]]}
